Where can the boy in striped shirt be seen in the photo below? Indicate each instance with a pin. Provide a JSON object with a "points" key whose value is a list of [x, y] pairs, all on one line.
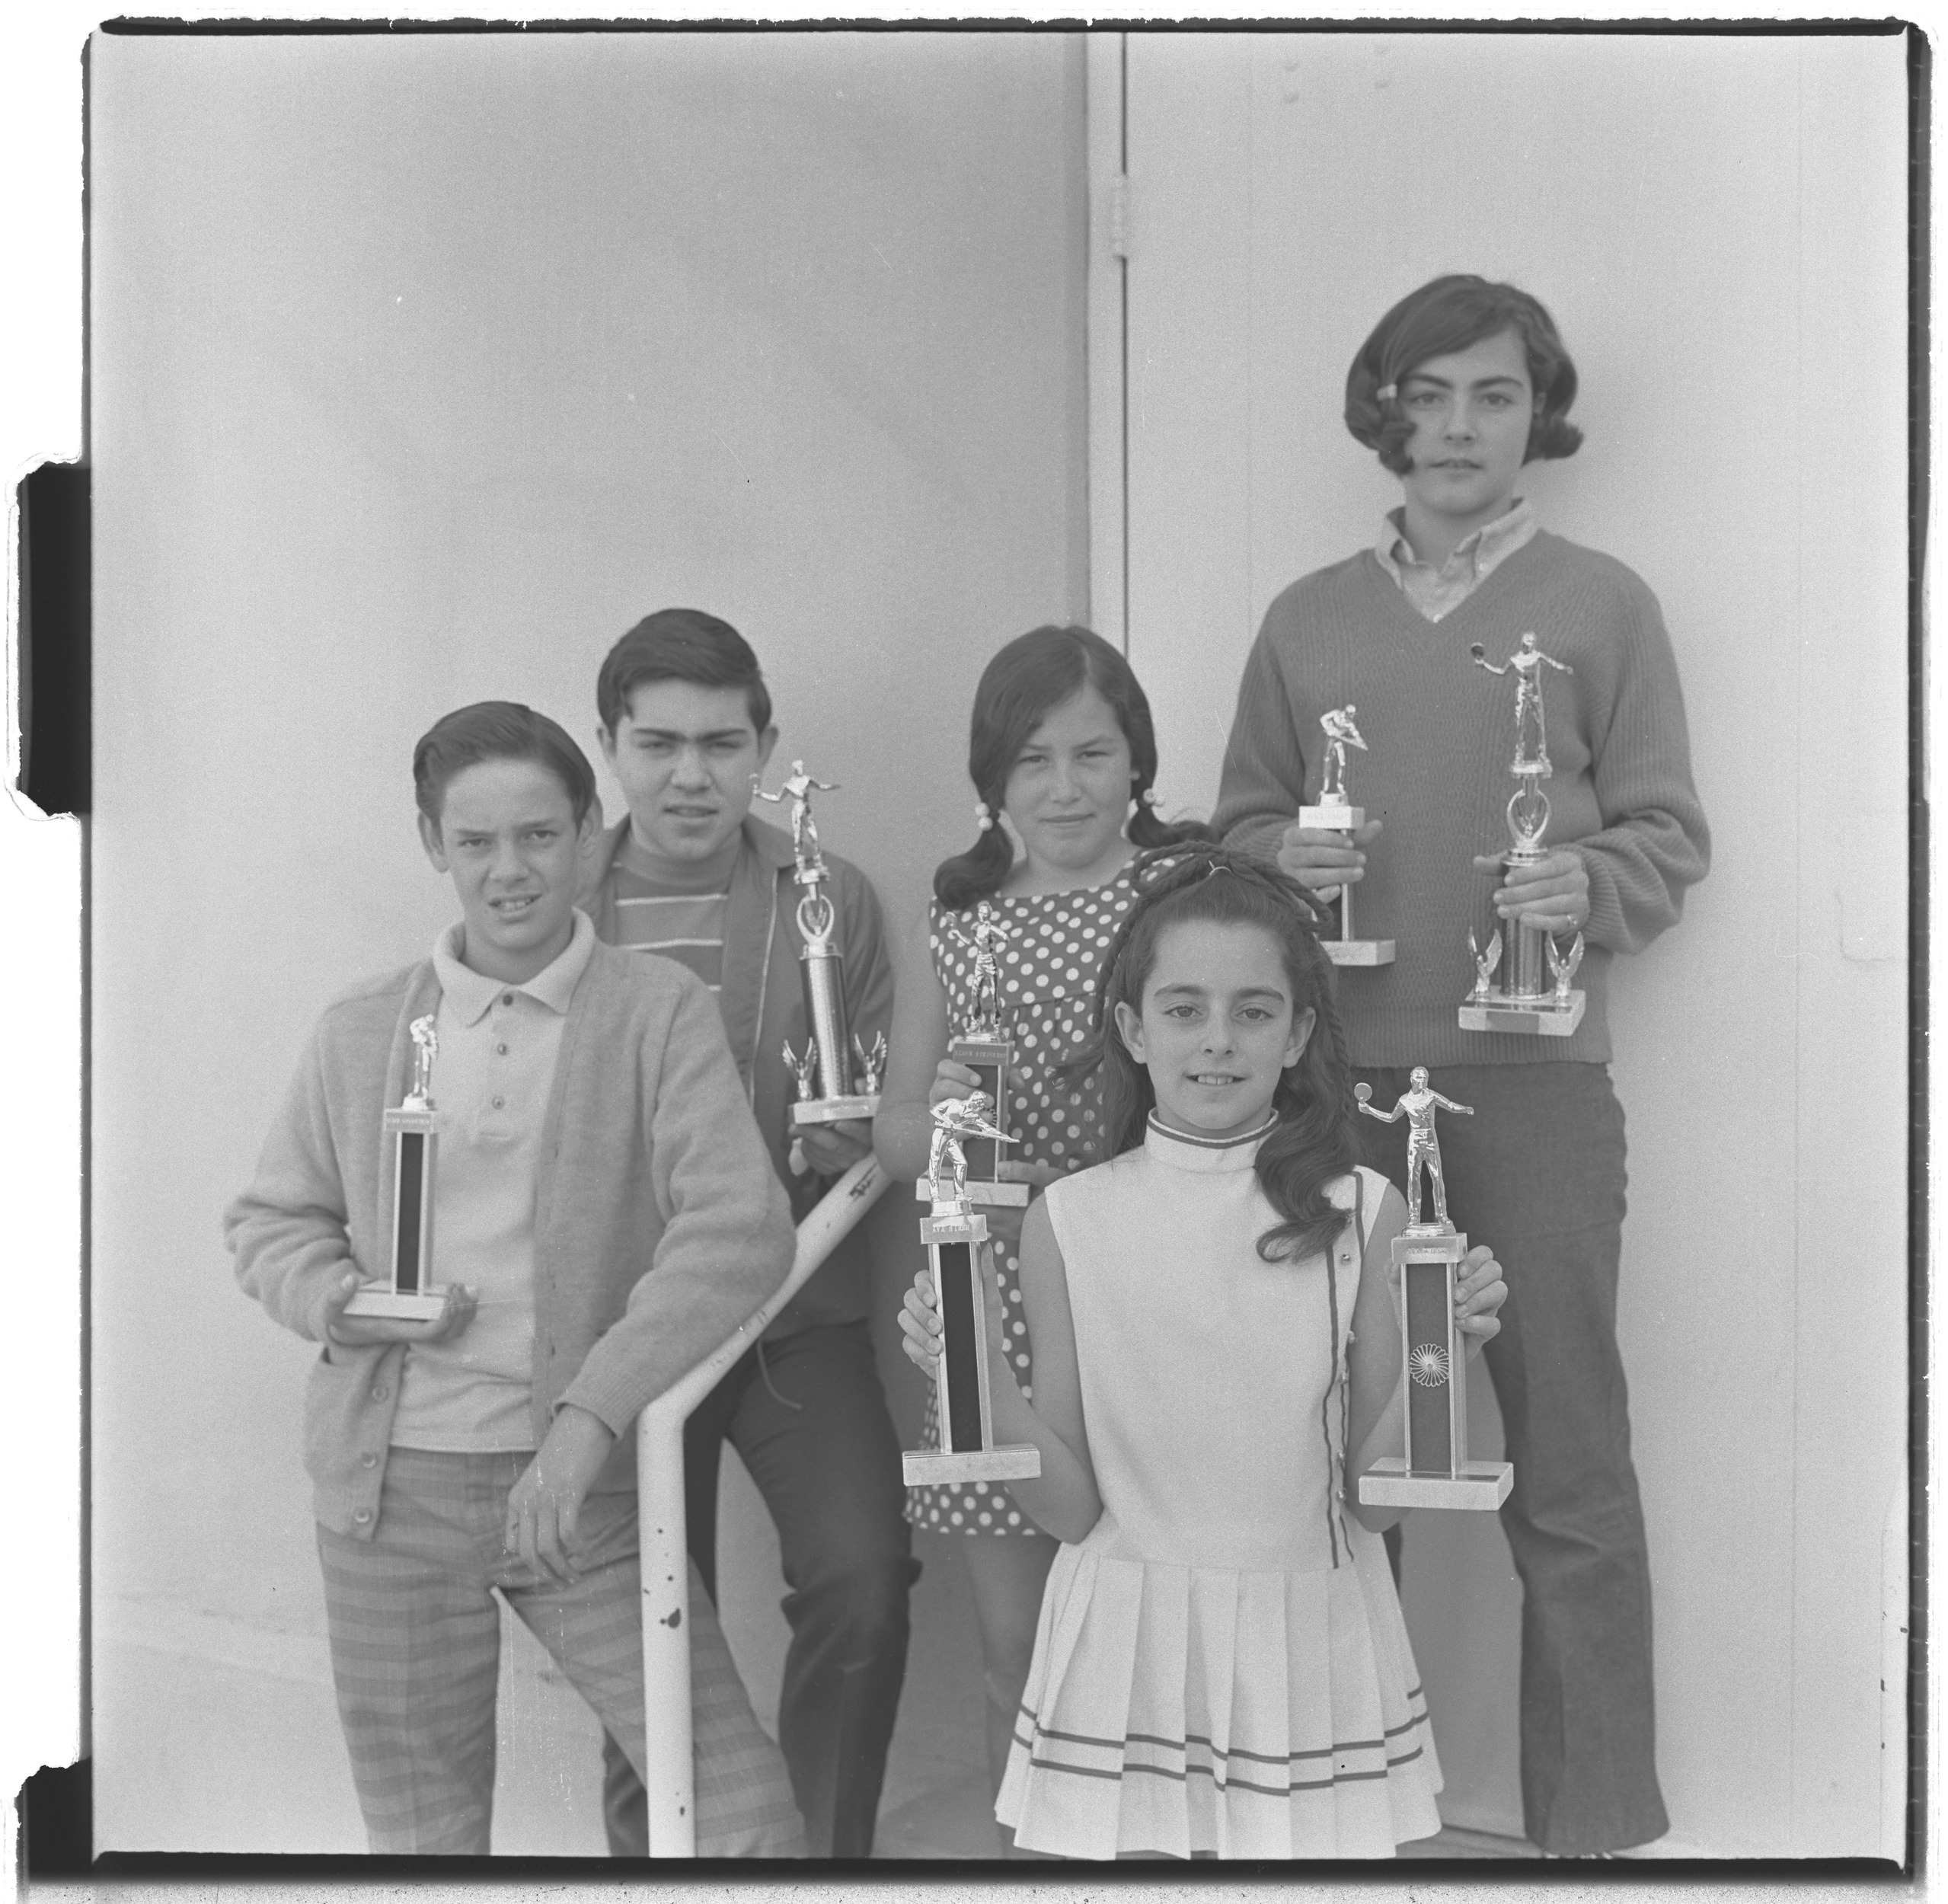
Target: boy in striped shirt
{"points": [[689, 874]]}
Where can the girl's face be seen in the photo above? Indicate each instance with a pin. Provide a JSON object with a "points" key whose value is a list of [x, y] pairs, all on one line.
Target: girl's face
{"points": [[1471, 413], [1068, 790], [1217, 1027]]}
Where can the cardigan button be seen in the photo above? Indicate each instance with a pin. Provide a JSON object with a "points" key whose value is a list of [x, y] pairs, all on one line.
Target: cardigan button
{"points": [[362, 1516], [369, 1459], [380, 1391]]}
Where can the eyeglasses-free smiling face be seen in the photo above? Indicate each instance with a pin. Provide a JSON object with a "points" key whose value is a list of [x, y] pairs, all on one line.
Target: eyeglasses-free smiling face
{"points": [[1068, 791], [684, 755], [1471, 412], [1217, 1029], [507, 838]]}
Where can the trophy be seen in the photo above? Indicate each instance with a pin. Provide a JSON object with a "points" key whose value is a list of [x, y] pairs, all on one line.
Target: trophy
{"points": [[1434, 1471], [837, 1078], [411, 1294], [1522, 1002], [955, 1234], [985, 1048], [1336, 813]]}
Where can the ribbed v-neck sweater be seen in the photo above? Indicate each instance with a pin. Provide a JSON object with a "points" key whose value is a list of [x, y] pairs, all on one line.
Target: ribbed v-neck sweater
{"points": [[1441, 734]]}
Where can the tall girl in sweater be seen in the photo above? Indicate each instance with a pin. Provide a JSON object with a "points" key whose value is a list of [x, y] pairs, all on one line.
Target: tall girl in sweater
{"points": [[1460, 385], [1062, 755], [1219, 1667]]}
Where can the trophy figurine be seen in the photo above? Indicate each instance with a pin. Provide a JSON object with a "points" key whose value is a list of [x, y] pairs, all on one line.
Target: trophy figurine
{"points": [[983, 1045], [1434, 1471], [411, 1294], [958, 1251], [1523, 1001], [828, 1091], [1336, 813]]}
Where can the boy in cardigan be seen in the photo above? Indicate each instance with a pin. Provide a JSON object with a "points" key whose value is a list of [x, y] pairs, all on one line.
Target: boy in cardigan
{"points": [[604, 1215], [1462, 384], [688, 873]]}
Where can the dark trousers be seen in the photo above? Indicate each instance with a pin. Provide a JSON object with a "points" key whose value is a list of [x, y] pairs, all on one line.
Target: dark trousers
{"points": [[1537, 1173], [821, 1448]]}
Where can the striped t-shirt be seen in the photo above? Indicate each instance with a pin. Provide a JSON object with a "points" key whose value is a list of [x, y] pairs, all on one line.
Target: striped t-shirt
{"points": [[681, 920]]}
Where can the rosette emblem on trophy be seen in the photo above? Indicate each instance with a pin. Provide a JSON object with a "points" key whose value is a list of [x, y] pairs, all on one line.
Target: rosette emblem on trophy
{"points": [[960, 1257], [838, 1078], [1434, 1470], [410, 1293], [1522, 1002]]}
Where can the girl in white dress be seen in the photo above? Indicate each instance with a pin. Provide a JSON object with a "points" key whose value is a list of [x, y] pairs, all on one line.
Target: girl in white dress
{"points": [[1219, 1669]]}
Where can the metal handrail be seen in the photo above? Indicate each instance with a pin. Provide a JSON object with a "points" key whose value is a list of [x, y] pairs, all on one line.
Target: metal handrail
{"points": [[669, 1769]]}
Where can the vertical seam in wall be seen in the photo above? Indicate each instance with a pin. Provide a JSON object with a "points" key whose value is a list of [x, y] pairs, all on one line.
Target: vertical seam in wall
{"points": [[1122, 324], [1799, 913], [1251, 339]]}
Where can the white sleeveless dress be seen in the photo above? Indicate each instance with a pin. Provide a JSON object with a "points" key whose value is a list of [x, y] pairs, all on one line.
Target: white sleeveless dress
{"points": [[1221, 1665]]}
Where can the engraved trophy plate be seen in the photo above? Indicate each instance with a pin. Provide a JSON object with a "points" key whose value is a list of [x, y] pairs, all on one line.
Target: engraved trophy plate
{"points": [[1334, 814], [1523, 1001], [410, 1294], [1435, 1470], [956, 1235], [838, 1079], [985, 1048]]}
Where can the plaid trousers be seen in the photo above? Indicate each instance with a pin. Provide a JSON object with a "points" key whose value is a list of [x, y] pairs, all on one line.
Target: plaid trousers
{"points": [[416, 1655]]}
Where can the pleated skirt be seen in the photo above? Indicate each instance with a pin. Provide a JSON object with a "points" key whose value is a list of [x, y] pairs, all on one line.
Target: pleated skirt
{"points": [[1173, 1710]]}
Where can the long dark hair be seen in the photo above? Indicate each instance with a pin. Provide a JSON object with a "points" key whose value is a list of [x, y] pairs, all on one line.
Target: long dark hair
{"points": [[1035, 673], [1313, 1141]]}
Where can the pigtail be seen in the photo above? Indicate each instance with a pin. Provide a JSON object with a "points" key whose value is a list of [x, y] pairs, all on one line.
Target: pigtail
{"points": [[1150, 831], [976, 874]]}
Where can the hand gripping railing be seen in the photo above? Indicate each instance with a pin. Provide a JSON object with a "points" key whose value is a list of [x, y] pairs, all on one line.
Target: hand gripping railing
{"points": [[669, 1771]]}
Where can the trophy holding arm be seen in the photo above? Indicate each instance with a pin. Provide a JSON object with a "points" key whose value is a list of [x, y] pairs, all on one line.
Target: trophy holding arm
{"points": [[1334, 813], [1523, 1001], [1434, 1471], [960, 1258], [410, 1294]]}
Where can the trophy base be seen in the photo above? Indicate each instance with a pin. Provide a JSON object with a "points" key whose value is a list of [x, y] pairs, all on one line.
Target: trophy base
{"points": [[1537, 1018], [836, 1110], [1482, 1484], [934, 1467], [1358, 951], [1332, 819], [1001, 1196], [376, 1299]]}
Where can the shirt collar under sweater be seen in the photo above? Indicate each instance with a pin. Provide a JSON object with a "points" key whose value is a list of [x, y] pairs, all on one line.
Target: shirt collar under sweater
{"points": [[1209, 1155], [1435, 588]]}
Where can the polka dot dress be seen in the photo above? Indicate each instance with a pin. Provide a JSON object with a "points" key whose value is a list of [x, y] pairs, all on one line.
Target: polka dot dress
{"points": [[1049, 966]]}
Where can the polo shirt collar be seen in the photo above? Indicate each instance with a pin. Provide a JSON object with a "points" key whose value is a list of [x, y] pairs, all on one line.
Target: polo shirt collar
{"points": [[471, 994]]}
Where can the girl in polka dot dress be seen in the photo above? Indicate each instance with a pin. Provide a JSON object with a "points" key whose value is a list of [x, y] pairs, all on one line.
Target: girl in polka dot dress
{"points": [[1062, 749]]}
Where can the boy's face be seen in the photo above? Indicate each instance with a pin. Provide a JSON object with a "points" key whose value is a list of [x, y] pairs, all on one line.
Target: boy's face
{"points": [[1471, 413], [684, 755], [508, 838]]}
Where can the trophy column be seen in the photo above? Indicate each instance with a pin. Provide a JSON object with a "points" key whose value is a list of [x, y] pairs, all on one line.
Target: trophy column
{"points": [[1334, 814], [987, 1051], [838, 1080], [958, 1252], [1524, 1001], [410, 1293], [1434, 1470]]}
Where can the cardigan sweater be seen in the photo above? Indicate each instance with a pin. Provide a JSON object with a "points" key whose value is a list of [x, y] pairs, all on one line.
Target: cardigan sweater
{"points": [[1441, 736], [762, 999], [658, 1225]]}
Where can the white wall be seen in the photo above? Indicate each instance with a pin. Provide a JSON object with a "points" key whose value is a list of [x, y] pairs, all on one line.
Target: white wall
{"points": [[422, 368], [1719, 226]]}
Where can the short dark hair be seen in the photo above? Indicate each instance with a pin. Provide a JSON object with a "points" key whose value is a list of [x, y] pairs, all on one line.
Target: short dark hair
{"points": [[1444, 315], [498, 731], [681, 644]]}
